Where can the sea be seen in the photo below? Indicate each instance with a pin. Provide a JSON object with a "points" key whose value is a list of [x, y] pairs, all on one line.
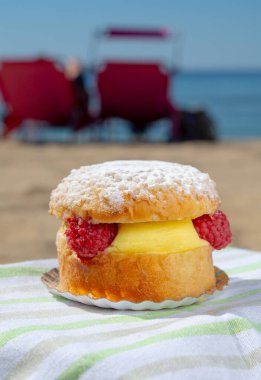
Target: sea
{"points": [[231, 98]]}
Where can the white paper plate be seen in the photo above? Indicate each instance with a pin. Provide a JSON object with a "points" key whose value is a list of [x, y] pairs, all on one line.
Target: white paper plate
{"points": [[51, 280]]}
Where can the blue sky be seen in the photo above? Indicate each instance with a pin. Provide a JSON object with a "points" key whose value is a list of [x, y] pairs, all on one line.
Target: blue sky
{"points": [[214, 34]]}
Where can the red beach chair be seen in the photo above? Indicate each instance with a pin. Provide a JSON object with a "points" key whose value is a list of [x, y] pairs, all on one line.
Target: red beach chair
{"points": [[136, 91], [37, 90]]}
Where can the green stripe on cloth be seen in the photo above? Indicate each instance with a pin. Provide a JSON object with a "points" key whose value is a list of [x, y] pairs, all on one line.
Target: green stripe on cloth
{"points": [[230, 328], [235, 297], [41, 314], [21, 271], [37, 354], [9, 335], [244, 268], [6, 336], [29, 300], [19, 289], [177, 363]]}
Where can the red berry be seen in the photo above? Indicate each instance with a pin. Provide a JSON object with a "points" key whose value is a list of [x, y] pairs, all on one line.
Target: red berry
{"points": [[88, 239], [214, 228]]}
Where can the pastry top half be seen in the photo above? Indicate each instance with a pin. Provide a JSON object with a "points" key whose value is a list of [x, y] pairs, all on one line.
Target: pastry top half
{"points": [[135, 191]]}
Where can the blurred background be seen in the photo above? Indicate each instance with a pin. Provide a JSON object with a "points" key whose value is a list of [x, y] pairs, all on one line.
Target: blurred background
{"points": [[88, 81]]}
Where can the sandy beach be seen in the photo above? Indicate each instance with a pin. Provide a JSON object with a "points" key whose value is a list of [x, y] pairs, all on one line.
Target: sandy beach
{"points": [[30, 172]]}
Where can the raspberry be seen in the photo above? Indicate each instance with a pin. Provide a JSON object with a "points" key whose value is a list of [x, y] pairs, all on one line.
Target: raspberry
{"points": [[214, 228], [88, 239]]}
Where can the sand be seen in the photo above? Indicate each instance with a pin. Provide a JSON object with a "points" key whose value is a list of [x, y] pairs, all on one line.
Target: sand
{"points": [[30, 172]]}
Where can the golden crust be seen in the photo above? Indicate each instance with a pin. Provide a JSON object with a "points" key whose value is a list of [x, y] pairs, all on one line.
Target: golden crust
{"points": [[135, 191], [137, 277]]}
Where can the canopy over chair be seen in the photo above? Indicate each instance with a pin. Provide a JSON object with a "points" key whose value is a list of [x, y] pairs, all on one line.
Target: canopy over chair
{"points": [[136, 90], [161, 33]]}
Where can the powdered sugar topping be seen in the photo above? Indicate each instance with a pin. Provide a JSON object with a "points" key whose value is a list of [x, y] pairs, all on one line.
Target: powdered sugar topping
{"points": [[114, 181]]}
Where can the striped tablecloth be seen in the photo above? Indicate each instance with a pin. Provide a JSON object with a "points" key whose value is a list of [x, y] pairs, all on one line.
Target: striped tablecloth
{"points": [[43, 337]]}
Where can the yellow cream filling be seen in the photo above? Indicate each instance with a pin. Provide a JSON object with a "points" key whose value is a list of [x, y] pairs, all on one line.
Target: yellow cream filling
{"points": [[156, 237]]}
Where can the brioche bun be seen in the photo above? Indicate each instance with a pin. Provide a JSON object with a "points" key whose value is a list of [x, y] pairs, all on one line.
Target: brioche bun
{"points": [[135, 192]]}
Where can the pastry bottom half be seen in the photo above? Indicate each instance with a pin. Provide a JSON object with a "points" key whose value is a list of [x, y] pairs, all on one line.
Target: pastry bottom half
{"points": [[137, 276]]}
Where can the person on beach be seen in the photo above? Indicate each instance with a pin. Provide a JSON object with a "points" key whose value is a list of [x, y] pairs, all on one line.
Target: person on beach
{"points": [[74, 71]]}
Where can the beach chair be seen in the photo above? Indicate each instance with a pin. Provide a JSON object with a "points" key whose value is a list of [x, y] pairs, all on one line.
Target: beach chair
{"points": [[35, 90], [136, 91]]}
